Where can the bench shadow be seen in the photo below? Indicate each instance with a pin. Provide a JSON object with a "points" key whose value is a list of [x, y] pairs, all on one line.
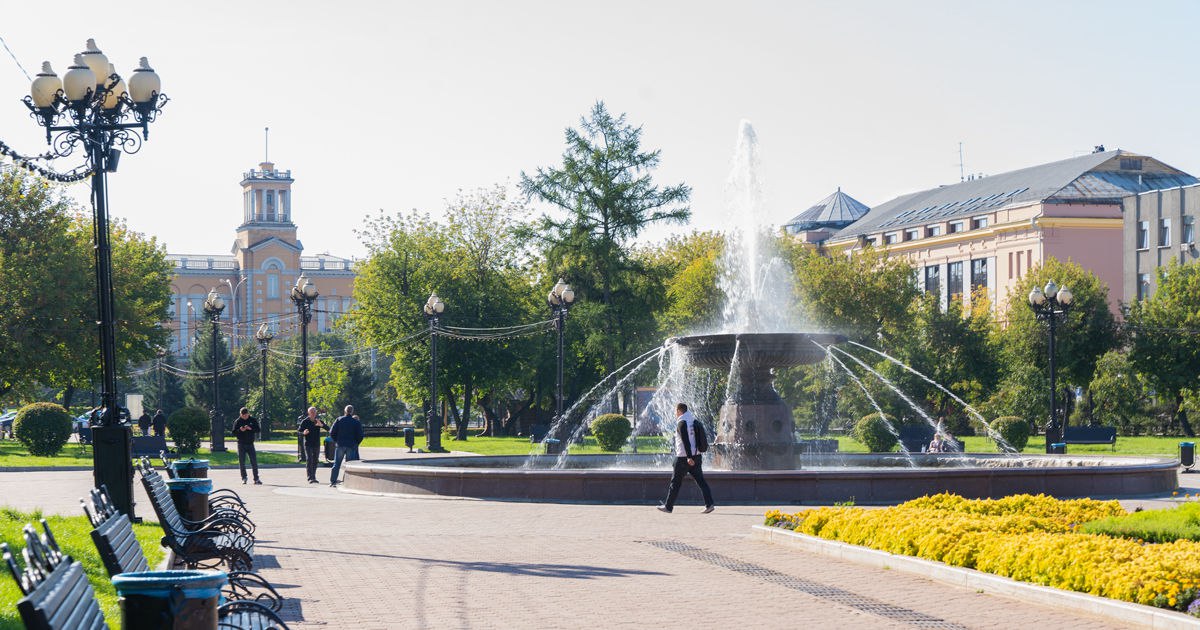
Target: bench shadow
{"points": [[564, 571]]}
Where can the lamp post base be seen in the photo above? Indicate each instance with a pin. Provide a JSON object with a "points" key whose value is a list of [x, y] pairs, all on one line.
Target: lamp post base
{"points": [[112, 465]]}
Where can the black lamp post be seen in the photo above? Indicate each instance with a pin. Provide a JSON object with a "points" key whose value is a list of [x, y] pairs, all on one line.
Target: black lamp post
{"points": [[304, 293], [560, 299], [214, 304], [433, 425], [264, 337], [99, 112], [1050, 305]]}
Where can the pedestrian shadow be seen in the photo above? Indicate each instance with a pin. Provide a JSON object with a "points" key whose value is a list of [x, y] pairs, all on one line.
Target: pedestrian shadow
{"points": [[563, 571]]}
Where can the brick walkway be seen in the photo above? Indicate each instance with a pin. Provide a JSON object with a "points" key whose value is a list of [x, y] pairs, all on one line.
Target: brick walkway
{"points": [[354, 561]]}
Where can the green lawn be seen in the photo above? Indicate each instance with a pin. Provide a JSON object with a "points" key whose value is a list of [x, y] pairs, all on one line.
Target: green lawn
{"points": [[14, 455], [73, 536]]}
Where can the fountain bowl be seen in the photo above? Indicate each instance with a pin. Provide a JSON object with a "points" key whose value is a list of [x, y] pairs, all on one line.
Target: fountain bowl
{"points": [[756, 350]]}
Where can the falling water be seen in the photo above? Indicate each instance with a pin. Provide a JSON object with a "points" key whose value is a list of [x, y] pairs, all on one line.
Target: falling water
{"points": [[887, 423]]}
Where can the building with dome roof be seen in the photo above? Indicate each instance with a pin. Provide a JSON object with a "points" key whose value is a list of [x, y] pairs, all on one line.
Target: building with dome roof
{"points": [[829, 215]]}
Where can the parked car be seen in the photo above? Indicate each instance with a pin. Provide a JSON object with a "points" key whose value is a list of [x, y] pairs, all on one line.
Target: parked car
{"points": [[6, 423]]}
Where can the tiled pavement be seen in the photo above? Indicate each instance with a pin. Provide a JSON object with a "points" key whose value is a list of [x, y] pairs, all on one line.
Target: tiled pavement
{"points": [[369, 562]]}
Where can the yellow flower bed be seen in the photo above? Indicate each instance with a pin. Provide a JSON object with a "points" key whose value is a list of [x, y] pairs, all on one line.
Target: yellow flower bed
{"points": [[1028, 538]]}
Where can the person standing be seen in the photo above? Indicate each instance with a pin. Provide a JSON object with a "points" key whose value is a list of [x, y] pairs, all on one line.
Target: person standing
{"points": [[144, 423], [688, 451], [159, 422], [245, 429], [310, 431], [346, 433]]}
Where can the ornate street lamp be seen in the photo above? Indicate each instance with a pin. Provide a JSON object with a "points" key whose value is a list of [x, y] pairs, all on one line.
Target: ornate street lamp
{"points": [[264, 337], [434, 307], [213, 305], [1050, 305], [93, 108], [560, 299], [304, 293]]}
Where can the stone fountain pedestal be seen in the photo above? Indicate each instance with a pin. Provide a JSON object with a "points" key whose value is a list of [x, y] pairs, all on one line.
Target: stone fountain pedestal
{"points": [[755, 430]]}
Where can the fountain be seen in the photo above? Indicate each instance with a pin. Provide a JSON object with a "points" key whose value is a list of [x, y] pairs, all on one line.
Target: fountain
{"points": [[754, 455]]}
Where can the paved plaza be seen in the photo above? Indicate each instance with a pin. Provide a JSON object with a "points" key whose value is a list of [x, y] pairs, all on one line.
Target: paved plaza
{"points": [[346, 560]]}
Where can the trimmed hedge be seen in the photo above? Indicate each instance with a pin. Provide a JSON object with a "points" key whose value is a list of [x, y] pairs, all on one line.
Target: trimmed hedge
{"points": [[187, 428], [873, 432], [1013, 429], [611, 431], [43, 428]]}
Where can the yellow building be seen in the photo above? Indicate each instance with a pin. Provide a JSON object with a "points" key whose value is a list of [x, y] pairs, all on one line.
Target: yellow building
{"points": [[256, 277]]}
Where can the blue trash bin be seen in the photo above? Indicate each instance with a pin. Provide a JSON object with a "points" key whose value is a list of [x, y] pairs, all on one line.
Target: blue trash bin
{"points": [[181, 600], [553, 446], [1058, 448], [190, 468], [191, 497], [410, 438]]}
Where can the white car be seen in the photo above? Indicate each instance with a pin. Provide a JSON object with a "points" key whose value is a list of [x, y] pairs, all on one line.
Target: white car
{"points": [[6, 423]]}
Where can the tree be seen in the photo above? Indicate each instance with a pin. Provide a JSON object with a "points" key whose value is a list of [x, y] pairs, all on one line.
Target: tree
{"points": [[606, 196], [326, 380], [690, 270], [1117, 393], [1166, 346], [161, 387], [199, 389]]}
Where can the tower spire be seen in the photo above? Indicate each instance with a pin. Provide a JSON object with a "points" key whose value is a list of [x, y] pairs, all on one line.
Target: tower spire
{"points": [[266, 144]]}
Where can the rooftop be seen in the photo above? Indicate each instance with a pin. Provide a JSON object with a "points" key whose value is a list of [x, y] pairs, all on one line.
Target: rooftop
{"points": [[835, 211]]}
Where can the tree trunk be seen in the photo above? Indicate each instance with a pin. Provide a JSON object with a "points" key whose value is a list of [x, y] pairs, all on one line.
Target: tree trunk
{"points": [[461, 420], [1181, 416], [489, 415], [68, 396]]}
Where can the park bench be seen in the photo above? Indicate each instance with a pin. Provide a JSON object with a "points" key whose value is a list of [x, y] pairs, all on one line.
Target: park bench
{"points": [[58, 596], [226, 519], [1091, 435], [218, 498], [382, 431], [205, 547], [538, 432], [916, 439], [121, 553], [145, 445]]}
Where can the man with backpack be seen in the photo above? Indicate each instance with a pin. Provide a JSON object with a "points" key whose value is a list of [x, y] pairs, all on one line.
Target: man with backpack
{"points": [[690, 442]]}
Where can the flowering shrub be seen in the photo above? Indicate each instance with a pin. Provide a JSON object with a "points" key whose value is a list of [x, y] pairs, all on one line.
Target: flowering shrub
{"points": [[1030, 538]]}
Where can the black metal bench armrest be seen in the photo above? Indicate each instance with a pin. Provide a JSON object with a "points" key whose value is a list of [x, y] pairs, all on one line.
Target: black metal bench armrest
{"points": [[243, 614], [249, 586]]}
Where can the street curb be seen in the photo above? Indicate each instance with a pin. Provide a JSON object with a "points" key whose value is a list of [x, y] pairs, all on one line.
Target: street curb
{"points": [[1124, 612]]}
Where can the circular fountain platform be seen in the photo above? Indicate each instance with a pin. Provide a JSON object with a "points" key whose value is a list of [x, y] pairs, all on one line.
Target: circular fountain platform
{"points": [[824, 479]]}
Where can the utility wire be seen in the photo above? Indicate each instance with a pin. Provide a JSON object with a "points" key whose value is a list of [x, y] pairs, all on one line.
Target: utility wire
{"points": [[14, 58]]}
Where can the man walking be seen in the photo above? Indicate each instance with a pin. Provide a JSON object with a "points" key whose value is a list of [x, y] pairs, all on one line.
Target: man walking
{"points": [[310, 432], [159, 422], [245, 428], [346, 434], [144, 423], [690, 442]]}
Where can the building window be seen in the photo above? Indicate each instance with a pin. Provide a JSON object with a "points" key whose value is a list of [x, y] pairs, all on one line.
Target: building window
{"points": [[979, 274], [285, 205], [933, 280], [1131, 164], [891, 238], [955, 227], [1164, 232], [1010, 264], [270, 203], [1189, 230], [912, 235], [872, 241], [1143, 286], [1143, 235], [933, 230], [954, 280], [273, 285], [978, 223]]}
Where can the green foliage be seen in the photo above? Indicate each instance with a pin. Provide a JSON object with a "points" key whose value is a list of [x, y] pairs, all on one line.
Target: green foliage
{"points": [[690, 265], [326, 380], [1167, 525], [1118, 394], [162, 388], [611, 431], [1162, 349], [43, 428], [872, 430], [187, 427], [1014, 430], [230, 382]]}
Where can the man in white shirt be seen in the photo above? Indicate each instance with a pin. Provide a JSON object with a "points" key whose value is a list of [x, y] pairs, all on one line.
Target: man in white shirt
{"points": [[687, 459]]}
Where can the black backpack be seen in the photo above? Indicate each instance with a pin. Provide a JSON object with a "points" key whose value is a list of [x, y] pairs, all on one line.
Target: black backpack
{"points": [[701, 437]]}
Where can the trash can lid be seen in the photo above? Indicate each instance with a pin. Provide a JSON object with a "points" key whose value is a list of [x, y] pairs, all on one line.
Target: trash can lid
{"points": [[195, 484], [1062, 444], [190, 462], [1187, 443], [196, 584]]}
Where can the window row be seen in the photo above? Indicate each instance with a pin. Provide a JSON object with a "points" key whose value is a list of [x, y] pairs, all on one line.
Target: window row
{"points": [[955, 278], [1188, 234], [929, 231]]}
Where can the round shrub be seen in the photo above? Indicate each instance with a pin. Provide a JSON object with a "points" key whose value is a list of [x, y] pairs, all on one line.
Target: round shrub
{"points": [[43, 428], [873, 432], [611, 431], [1013, 429], [187, 427]]}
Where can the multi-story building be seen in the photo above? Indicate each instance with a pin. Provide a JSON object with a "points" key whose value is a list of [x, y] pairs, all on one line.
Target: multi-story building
{"points": [[256, 277], [986, 233], [1160, 226]]}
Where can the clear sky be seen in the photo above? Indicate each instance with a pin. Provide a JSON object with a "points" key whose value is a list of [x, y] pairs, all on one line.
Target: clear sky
{"points": [[397, 105]]}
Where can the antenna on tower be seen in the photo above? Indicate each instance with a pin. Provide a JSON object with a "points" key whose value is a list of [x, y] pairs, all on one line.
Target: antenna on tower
{"points": [[962, 170], [267, 144]]}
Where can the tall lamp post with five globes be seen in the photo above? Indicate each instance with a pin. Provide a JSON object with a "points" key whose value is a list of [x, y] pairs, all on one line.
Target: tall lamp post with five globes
{"points": [[94, 109]]}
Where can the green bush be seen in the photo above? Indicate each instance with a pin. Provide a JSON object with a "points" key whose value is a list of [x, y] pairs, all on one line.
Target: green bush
{"points": [[43, 428], [1153, 526], [873, 432], [611, 431], [187, 427], [1013, 429]]}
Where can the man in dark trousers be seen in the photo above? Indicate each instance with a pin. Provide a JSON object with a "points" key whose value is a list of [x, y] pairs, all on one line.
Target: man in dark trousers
{"points": [[159, 422], [346, 433], [310, 430], [144, 422], [245, 429], [687, 458]]}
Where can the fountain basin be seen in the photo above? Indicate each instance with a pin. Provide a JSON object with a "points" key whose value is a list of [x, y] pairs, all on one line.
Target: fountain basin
{"points": [[825, 479]]}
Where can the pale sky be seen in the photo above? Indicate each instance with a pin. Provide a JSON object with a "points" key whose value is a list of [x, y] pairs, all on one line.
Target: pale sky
{"points": [[397, 105]]}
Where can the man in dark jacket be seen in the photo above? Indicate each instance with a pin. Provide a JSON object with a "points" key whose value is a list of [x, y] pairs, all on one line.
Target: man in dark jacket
{"points": [[144, 422], [310, 430], [160, 423], [688, 449], [347, 433], [245, 429]]}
